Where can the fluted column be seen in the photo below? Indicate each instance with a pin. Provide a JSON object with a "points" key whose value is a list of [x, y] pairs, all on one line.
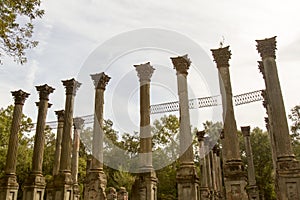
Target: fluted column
{"points": [[63, 181], [78, 123], [8, 183], [288, 169], [252, 187], [233, 166], [187, 179], [35, 184], [60, 125], [204, 190], [96, 178], [147, 179]]}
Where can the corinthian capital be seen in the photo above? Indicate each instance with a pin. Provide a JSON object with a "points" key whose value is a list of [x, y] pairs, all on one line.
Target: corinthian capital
{"points": [[266, 48], [20, 97], [181, 64], [221, 56], [144, 72], [100, 80], [245, 130], [44, 91], [71, 86]]}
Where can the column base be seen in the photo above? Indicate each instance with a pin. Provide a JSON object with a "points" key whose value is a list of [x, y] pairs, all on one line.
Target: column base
{"points": [[145, 186], [9, 187], [187, 183], [34, 187], [288, 179], [62, 186], [235, 180], [95, 185]]}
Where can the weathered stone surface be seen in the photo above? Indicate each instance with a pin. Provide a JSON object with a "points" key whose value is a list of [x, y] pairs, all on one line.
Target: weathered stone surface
{"points": [[186, 177], [251, 188], [8, 183], [34, 186], [122, 194], [234, 176], [112, 194], [287, 168]]}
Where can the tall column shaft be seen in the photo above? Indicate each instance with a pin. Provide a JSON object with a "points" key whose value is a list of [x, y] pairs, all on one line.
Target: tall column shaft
{"points": [[11, 158], [287, 168], [252, 188], [147, 180], [60, 125], [78, 123], [204, 190], [187, 179], [8, 183], [39, 139], [234, 176], [267, 48], [96, 179], [34, 186], [71, 87]]}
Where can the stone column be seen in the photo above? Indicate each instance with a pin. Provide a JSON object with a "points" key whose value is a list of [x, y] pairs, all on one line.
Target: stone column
{"points": [[204, 190], [288, 169], [34, 186], [122, 194], [187, 179], [234, 176], [96, 178], [219, 173], [78, 123], [63, 181], [252, 187], [60, 124], [216, 172], [147, 177], [8, 183]]}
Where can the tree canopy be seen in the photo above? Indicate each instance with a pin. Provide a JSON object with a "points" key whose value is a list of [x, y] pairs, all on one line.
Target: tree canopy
{"points": [[16, 27]]}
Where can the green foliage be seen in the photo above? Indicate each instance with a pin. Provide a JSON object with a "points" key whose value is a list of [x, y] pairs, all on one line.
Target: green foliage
{"points": [[15, 37], [295, 129]]}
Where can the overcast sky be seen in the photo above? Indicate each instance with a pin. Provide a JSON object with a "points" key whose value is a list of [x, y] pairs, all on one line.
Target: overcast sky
{"points": [[72, 30]]}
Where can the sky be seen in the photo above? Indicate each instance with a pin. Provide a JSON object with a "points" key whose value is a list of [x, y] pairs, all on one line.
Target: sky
{"points": [[81, 37]]}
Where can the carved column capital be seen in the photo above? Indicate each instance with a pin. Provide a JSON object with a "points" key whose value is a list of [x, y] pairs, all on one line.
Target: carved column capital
{"points": [[245, 131], [60, 115], [215, 149], [71, 86], [200, 135], [221, 56], [181, 64], [222, 134], [44, 91], [78, 123], [144, 72], [100, 80], [20, 97], [266, 48]]}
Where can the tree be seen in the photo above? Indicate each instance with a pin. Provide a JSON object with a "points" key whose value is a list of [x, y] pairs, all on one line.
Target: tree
{"points": [[16, 27], [295, 129]]}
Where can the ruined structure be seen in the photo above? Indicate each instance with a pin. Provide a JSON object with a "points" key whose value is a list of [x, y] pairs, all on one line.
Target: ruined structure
{"points": [[96, 178], [35, 184], [146, 178], [8, 183], [187, 179], [252, 189], [287, 168], [234, 176], [63, 180]]}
